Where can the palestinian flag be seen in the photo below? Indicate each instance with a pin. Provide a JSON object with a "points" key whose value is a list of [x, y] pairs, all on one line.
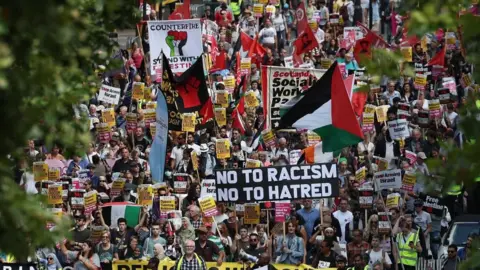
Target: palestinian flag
{"points": [[325, 108], [357, 97], [113, 211]]}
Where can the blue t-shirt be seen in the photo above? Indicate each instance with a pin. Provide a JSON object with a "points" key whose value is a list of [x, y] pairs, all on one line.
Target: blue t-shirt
{"points": [[309, 217]]}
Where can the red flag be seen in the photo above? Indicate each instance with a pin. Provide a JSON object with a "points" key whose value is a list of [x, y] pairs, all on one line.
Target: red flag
{"points": [[375, 40], [301, 15], [182, 12], [241, 105], [207, 111], [220, 62], [256, 51], [237, 119], [305, 42], [393, 22], [363, 47], [439, 58]]}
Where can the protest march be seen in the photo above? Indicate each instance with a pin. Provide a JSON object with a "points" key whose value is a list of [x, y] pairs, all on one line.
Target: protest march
{"points": [[244, 134]]}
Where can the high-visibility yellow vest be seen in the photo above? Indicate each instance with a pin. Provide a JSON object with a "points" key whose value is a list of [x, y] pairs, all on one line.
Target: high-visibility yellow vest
{"points": [[236, 7], [408, 256], [180, 262], [455, 190], [367, 267]]}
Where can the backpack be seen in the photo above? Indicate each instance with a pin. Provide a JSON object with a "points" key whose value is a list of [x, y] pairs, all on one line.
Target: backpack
{"points": [[344, 12]]}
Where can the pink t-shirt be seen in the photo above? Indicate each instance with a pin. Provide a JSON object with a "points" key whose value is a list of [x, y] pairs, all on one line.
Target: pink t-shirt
{"points": [[137, 57]]}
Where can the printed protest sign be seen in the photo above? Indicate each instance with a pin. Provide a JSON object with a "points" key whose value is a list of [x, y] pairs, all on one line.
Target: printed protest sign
{"points": [[104, 132], [145, 194], [251, 100], [229, 82], [90, 201], [434, 108], [40, 171], [54, 174], [381, 112], [149, 116], [407, 53], [167, 203], [207, 188], [382, 163], [420, 81], [180, 182], [117, 186], [361, 174], [245, 66], [348, 33], [313, 138], [147, 93], [252, 213], [55, 194], [257, 10], [282, 210], [188, 122], [76, 198], [409, 180], [388, 179], [433, 205], [221, 98], [208, 206], [367, 121], [365, 197], [288, 61], [109, 94], [138, 89], [131, 121], [178, 39], [334, 18], [444, 95], [194, 157], [325, 63], [281, 85], [384, 225], [222, 147], [369, 108], [108, 116], [393, 200], [253, 163], [269, 138], [289, 182], [221, 116], [411, 156], [398, 129], [423, 119], [294, 156]]}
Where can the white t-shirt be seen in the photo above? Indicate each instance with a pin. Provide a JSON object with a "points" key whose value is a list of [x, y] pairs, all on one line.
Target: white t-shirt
{"points": [[279, 22], [380, 256], [177, 154], [343, 219], [422, 220], [320, 35], [268, 35], [195, 148], [389, 154]]}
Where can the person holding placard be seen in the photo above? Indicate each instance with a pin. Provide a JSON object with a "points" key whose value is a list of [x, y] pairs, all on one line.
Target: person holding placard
{"points": [[290, 249]]}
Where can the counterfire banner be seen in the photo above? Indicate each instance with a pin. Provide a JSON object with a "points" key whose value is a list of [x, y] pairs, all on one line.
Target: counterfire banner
{"points": [[180, 40], [280, 85], [277, 183]]}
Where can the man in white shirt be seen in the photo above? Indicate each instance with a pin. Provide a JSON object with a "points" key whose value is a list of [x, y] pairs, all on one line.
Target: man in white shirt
{"points": [[177, 152], [191, 144], [344, 217], [280, 154], [376, 254]]}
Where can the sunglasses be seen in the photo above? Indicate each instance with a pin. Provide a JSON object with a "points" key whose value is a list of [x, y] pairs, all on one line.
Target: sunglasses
{"points": [[253, 240], [50, 258]]}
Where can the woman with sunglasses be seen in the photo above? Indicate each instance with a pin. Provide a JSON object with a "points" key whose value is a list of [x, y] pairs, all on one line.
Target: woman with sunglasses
{"points": [[51, 262], [106, 251]]}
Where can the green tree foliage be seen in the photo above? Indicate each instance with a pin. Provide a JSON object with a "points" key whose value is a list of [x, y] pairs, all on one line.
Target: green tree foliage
{"points": [[47, 53]]}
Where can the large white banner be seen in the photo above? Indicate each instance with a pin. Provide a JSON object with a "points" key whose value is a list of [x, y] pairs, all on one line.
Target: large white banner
{"points": [[180, 40], [280, 85]]}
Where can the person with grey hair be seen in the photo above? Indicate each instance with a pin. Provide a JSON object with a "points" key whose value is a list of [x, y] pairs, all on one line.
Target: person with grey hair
{"points": [[195, 217], [190, 260], [280, 154]]}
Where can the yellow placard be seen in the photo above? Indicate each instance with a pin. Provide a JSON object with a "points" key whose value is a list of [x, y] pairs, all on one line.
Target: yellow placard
{"points": [[313, 25], [369, 108], [153, 129], [221, 98], [269, 137], [258, 10], [270, 9], [466, 80], [55, 194], [361, 174], [117, 186], [368, 118], [221, 116], [253, 163], [381, 112], [434, 105], [151, 105], [407, 54], [147, 93], [40, 171], [263, 2], [246, 64], [194, 157], [208, 206], [409, 179], [149, 115], [382, 164], [424, 43], [188, 122], [108, 116], [137, 92], [222, 148], [392, 200], [252, 213], [53, 174], [251, 100], [229, 82], [167, 203], [145, 195], [420, 79], [170, 264], [325, 63]]}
